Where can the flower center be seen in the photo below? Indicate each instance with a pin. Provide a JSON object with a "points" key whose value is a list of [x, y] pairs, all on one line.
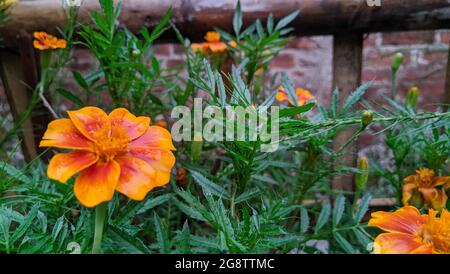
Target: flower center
{"points": [[107, 147], [437, 234]]}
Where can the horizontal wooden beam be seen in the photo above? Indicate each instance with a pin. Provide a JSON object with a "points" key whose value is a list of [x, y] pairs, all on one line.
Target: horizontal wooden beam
{"points": [[195, 17]]}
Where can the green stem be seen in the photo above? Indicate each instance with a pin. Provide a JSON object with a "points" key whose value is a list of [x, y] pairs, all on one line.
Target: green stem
{"points": [[100, 216]]}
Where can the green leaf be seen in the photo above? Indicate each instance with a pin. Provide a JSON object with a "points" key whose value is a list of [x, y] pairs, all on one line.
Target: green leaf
{"points": [[289, 88], [129, 242], [247, 195], [363, 207], [304, 220], [286, 20], [209, 186], [25, 225], [348, 248], [14, 173], [80, 80], [292, 111], [161, 235], [323, 216], [154, 202], [70, 96], [338, 210], [355, 96], [237, 19]]}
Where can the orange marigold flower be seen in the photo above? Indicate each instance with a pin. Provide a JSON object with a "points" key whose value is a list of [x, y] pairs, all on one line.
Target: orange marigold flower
{"points": [[212, 44], [112, 152], [44, 41], [303, 96], [424, 189], [409, 232]]}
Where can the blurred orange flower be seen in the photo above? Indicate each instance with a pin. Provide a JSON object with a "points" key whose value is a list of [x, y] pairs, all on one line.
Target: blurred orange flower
{"points": [[212, 44], [424, 189], [303, 96], [112, 152], [409, 232], [44, 41]]}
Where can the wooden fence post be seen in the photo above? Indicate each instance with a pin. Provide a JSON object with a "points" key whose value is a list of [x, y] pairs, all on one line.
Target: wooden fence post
{"points": [[19, 71], [347, 64]]}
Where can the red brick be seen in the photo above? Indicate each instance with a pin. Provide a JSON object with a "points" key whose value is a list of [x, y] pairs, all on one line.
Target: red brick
{"points": [[376, 74], [178, 49], [445, 37], [174, 62], [370, 40], [283, 60], [162, 49], [303, 43], [408, 38]]}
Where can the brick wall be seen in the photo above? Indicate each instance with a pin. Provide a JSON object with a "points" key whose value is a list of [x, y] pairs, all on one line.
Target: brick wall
{"points": [[308, 62]]}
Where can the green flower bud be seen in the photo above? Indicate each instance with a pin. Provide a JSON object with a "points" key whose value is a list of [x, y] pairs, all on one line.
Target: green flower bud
{"points": [[366, 118], [397, 61], [362, 177], [412, 96], [136, 53]]}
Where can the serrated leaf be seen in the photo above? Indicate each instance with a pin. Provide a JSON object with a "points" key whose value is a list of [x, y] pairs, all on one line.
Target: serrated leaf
{"points": [[304, 220], [129, 242], [355, 97], [25, 225], [338, 210], [209, 186], [324, 216], [286, 20], [247, 195], [14, 173], [363, 207], [237, 19], [348, 248], [161, 235], [292, 111]]}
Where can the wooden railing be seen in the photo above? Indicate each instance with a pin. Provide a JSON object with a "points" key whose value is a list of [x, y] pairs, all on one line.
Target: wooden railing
{"points": [[346, 20]]}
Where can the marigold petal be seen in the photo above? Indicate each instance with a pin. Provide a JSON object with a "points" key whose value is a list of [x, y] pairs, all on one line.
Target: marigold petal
{"points": [[405, 220], [161, 160], [396, 243], [62, 133], [155, 137], [96, 184], [92, 122], [39, 45], [407, 192], [441, 180], [134, 126], [217, 47], [64, 165], [435, 198], [60, 44], [136, 179], [281, 96]]}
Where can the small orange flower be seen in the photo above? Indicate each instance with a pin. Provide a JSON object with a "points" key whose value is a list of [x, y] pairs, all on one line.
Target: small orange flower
{"points": [[44, 41], [409, 232], [112, 152], [424, 189], [303, 96], [212, 44]]}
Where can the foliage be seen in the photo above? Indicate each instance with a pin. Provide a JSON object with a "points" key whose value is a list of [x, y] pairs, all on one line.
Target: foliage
{"points": [[236, 197]]}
